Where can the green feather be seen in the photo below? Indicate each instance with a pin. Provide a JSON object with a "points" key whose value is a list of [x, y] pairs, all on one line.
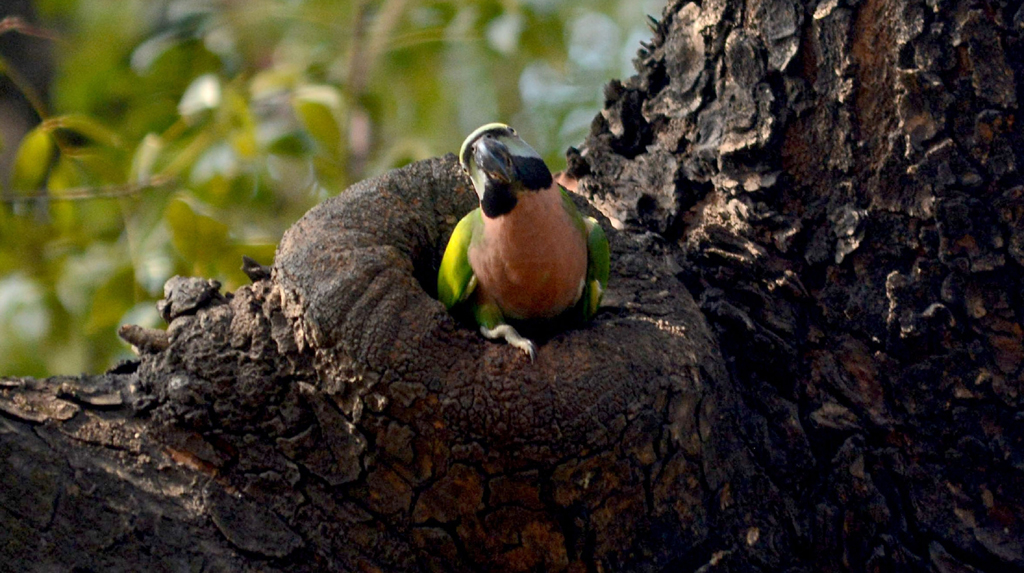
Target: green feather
{"points": [[597, 259], [488, 315], [455, 278], [597, 268]]}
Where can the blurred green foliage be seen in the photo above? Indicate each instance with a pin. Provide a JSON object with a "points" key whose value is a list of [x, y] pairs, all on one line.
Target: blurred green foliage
{"points": [[182, 134]]}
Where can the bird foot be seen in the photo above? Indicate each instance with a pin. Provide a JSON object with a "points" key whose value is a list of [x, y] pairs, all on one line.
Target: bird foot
{"points": [[512, 337]]}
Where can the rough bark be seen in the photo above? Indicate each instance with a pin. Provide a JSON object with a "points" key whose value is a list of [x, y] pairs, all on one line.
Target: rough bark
{"points": [[837, 186], [843, 182]]}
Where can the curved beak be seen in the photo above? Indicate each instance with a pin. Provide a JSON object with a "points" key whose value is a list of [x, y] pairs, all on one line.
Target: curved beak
{"points": [[494, 159]]}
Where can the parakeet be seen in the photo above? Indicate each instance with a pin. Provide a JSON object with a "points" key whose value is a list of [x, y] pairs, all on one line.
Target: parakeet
{"points": [[526, 253]]}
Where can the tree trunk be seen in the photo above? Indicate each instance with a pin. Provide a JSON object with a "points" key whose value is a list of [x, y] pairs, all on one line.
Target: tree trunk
{"points": [[837, 186]]}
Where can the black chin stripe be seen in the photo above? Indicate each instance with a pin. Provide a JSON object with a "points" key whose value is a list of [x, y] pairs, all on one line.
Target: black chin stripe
{"points": [[498, 199], [532, 173]]}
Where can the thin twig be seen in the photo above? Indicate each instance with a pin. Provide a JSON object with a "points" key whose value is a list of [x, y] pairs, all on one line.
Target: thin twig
{"points": [[18, 24], [87, 193]]}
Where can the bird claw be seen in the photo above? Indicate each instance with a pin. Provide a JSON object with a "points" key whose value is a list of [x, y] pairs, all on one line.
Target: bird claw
{"points": [[527, 347], [512, 337]]}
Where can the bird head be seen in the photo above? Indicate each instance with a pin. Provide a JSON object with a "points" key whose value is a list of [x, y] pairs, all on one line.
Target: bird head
{"points": [[502, 166]]}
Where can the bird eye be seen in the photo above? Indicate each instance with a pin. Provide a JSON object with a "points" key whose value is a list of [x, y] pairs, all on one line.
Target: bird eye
{"points": [[512, 130]]}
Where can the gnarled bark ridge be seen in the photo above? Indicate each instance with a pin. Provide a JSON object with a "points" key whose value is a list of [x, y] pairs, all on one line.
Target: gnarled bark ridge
{"points": [[843, 181], [837, 185]]}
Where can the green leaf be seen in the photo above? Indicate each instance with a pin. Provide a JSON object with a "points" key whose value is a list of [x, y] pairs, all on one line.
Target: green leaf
{"points": [[145, 157], [271, 82], [197, 237], [65, 174], [33, 160], [320, 110], [295, 144], [81, 131], [111, 301], [151, 50], [202, 95], [243, 134]]}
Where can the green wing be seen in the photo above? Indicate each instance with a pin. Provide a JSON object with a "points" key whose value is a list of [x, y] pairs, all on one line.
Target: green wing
{"points": [[455, 279], [597, 258]]}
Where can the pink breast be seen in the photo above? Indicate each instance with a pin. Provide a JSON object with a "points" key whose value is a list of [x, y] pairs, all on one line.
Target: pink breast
{"points": [[532, 261]]}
